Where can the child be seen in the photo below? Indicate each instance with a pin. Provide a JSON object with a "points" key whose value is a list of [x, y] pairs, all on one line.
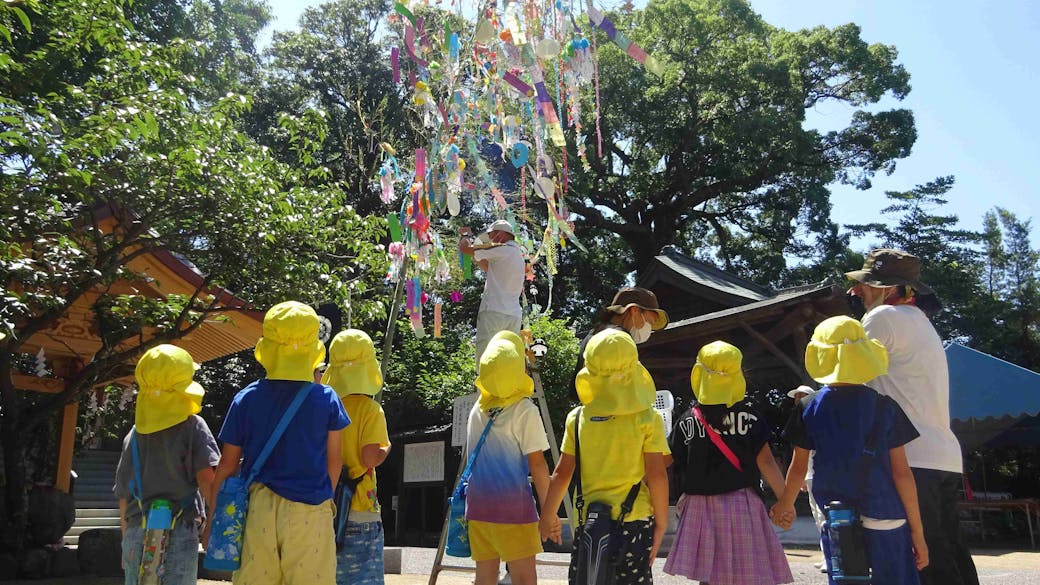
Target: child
{"points": [[176, 455], [622, 443], [721, 445], [838, 424], [500, 509], [354, 374], [288, 535]]}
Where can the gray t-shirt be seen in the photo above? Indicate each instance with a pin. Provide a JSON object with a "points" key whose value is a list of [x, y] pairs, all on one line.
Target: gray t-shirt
{"points": [[169, 460]]}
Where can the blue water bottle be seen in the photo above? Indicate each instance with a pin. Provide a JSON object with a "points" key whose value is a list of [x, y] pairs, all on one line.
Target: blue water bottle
{"points": [[848, 551]]}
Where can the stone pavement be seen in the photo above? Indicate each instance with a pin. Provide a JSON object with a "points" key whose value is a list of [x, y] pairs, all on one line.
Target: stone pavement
{"points": [[996, 567]]}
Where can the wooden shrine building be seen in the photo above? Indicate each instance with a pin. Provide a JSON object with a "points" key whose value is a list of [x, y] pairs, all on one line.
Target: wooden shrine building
{"points": [[704, 303], [74, 340]]}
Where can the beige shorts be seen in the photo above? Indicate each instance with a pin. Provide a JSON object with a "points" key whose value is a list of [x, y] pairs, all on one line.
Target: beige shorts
{"points": [[286, 542]]}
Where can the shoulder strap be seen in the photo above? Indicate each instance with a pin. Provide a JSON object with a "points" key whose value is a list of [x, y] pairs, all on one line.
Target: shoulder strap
{"points": [[579, 499], [473, 456], [717, 440], [136, 488], [630, 500], [278, 431]]}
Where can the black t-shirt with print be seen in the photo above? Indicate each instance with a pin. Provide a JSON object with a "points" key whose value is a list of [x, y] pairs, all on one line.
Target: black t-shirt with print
{"points": [[702, 468]]}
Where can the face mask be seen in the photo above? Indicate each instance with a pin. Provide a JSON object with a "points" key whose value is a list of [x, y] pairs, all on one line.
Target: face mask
{"points": [[641, 333]]}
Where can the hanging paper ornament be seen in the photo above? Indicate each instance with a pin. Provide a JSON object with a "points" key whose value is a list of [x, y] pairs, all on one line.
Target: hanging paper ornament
{"points": [[437, 320], [519, 154]]}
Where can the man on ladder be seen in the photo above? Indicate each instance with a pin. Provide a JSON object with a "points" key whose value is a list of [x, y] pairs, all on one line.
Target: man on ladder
{"points": [[499, 256]]}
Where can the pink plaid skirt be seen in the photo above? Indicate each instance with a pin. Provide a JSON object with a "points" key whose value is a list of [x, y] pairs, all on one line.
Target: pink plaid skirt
{"points": [[727, 539]]}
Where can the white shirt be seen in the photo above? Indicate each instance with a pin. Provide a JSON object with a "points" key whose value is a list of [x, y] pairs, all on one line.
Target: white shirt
{"points": [[505, 278], [919, 381]]}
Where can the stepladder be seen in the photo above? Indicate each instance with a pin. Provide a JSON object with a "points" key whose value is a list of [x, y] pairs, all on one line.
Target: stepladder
{"points": [[439, 564]]}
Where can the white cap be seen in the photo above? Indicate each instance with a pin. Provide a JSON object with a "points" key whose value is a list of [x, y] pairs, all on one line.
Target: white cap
{"points": [[501, 225], [801, 390]]}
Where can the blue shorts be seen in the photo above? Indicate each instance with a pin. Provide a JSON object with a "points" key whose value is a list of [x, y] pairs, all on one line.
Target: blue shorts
{"points": [[180, 565], [361, 560], [891, 556]]}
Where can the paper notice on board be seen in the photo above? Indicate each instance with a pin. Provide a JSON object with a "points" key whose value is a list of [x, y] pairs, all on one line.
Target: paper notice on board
{"points": [[460, 418]]}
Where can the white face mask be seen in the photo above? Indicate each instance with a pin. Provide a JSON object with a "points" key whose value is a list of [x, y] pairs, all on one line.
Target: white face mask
{"points": [[641, 333]]}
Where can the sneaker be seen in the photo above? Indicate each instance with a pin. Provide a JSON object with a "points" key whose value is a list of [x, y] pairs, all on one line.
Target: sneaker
{"points": [[822, 566]]}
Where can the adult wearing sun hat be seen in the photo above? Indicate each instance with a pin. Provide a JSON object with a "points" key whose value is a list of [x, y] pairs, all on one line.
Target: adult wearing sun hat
{"points": [[502, 261], [897, 304], [721, 448], [857, 437], [176, 454], [633, 310], [500, 505], [355, 375], [288, 531]]}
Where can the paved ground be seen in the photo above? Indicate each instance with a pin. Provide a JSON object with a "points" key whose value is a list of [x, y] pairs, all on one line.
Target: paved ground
{"points": [[996, 567]]}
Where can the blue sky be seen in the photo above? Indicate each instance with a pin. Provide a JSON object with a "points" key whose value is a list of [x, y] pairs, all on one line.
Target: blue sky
{"points": [[975, 79]]}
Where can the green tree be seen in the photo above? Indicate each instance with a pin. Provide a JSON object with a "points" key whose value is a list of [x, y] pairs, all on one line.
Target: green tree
{"points": [[337, 60], [1008, 313], [950, 262], [715, 155], [126, 137]]}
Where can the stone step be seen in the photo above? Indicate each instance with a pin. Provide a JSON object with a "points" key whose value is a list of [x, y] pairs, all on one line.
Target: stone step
{"points": [[97, 513], [96, 479], [95, 454], [97, 504], [105, 522]]}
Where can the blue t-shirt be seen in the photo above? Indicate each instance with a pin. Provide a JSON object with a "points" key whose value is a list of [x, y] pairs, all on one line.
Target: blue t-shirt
{"points": [[836, 424], [297, 468]]}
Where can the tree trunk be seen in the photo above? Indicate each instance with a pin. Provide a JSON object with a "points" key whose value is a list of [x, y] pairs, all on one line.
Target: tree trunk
{"points": [[644, 248], [12, 537]]}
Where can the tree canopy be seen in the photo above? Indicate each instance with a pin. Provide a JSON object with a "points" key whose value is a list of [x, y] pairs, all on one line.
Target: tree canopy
{"points": [[96, 117], [715, 155]]}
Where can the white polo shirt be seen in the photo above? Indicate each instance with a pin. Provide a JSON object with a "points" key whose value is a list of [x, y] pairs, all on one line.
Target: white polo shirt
{"points": [[505, 278], [919, 381]]}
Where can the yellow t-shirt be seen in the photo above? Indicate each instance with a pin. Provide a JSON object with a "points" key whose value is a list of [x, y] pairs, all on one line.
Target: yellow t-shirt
{"points": [[367, 427], [612, 457]]}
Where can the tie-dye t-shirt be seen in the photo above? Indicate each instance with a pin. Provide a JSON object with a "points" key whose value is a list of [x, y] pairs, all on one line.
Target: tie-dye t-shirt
{"points": [[499, 489]]}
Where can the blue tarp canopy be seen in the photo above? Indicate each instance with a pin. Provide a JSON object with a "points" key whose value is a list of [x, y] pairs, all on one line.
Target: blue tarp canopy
{"points": [[992, 401]]}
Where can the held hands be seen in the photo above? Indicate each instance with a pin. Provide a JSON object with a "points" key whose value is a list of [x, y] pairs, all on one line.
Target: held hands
{"points": [[782, 516], [550, 528], [920, 549]]}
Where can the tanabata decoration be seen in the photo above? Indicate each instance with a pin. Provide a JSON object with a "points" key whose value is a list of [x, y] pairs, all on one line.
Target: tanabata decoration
{"points": [[494, 99]]}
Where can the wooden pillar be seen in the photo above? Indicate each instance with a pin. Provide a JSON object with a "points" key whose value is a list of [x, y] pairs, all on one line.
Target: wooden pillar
{"points": [[67, 440]]}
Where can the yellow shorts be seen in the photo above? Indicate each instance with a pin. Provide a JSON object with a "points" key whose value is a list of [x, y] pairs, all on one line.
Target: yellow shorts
{"points": [[508, 542], [286, 542]]}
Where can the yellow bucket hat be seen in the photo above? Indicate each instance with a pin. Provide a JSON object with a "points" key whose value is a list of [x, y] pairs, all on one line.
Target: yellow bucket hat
{"points": [[841, 352], [166, 393], [503, 378], [353, 368], [613, 382], [716, 377], [513, 338], [290, 348]]}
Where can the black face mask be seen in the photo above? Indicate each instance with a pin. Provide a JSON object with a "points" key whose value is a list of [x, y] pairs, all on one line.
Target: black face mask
{"points": [[856, 306]]}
